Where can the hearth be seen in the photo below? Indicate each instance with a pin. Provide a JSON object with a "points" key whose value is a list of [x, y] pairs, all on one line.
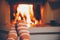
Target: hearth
{"points": [[29, 11]]}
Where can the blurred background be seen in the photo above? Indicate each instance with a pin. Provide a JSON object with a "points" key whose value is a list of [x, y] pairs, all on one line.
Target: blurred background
{"points": [[51, 20]]}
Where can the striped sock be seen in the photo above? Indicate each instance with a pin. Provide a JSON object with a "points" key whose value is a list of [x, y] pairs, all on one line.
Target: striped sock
{"points": [[23, 32], [12, 34]]}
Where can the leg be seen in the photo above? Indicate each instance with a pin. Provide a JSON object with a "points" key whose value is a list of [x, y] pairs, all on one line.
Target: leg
{"points": [[23, 32], [12, 34]]}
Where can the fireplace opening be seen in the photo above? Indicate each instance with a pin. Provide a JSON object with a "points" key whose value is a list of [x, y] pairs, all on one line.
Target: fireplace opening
{"points": [[30, 13]]}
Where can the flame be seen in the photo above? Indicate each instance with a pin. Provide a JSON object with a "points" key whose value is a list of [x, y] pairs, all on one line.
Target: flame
{"points": [[42, 14], [25, 12]]}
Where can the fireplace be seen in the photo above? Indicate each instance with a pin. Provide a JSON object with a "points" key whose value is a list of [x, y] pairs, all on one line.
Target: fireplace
{"points": [[26, 12], [31, 12]]}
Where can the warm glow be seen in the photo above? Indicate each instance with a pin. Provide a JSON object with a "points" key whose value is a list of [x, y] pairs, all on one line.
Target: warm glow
{"points": [[42, 12], [25, 12]]}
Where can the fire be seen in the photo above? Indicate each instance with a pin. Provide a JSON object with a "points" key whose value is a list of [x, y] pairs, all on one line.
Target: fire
{"points": [[42, 13], [25, 12]]}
